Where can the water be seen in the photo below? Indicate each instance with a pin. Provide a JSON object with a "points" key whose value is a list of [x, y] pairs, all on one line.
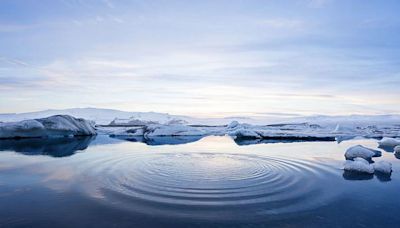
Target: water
{"points": [[191, 182]]}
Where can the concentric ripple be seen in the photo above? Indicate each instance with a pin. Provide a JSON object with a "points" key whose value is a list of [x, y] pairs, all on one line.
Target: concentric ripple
{"points": [[212, 185]]}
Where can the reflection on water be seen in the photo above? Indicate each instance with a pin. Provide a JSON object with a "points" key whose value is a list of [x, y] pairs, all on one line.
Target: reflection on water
{"points": [[55, 147], [357, 176], [353, 176], [190, 182], [212, 185]]}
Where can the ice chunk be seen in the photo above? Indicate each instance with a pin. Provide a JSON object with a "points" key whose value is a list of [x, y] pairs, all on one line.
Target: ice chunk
{"points": [[383, 167], [389, 142], [59, 125], [236, 129], [154, 130], [233, 124], [397, 149], [171, 130], [359, 165], [245, 133], [361, 152], [340, 129]]}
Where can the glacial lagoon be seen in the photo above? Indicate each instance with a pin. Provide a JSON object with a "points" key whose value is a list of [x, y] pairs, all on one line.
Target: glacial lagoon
{"points": [[213, 181]]}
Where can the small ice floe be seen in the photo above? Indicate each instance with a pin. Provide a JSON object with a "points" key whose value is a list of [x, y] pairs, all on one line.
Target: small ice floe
{"points": [[389, 142], [397, 149], [361, 152], [358, 165], [383, 167]]}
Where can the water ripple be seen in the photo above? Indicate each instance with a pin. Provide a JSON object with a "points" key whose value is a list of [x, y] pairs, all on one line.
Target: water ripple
{"points": [[212, 185]]}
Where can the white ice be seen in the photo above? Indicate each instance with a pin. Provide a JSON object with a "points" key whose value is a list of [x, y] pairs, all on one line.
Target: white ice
{"points": [[397, 149], [171, 130], [361, 152], [390, 142], [359, 165], [383, 167], [53, 126]]}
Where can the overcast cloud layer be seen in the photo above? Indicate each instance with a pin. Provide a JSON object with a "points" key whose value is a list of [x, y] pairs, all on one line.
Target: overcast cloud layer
{"points": [[202, 58]]}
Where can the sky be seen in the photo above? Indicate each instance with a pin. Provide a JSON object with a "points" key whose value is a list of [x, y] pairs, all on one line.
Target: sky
{"points": [[202, 58]]}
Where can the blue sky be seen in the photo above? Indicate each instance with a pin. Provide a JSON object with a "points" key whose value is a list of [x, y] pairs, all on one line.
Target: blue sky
{"points": [[202, 58]]}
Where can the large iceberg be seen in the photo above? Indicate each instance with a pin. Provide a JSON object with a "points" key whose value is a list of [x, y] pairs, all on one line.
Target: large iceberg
{"points": [[53, 126], [361, 152]]}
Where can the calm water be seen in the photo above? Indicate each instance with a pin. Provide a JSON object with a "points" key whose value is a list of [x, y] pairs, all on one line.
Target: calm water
{"points": [[191, 182]]}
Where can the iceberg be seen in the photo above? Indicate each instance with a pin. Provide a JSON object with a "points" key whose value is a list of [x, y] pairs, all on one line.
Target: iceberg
{"points": [[358, 165], [171, 130], [383, 167], [245, 133], [361, 152], [239, 130], [233, 124], [53, 126], [340, 129], [389, 142], [154, 130]]}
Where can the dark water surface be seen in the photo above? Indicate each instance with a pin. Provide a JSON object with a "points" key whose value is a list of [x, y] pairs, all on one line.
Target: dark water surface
{"points": [[191, 182]]}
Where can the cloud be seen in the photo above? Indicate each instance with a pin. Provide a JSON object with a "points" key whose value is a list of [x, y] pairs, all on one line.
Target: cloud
{"points": [[282, 23], [109, 4], [15, 62], [318, 3]]}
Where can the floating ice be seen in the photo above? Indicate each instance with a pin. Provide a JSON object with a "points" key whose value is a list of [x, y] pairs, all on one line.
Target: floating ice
{"points": [[383, 167], [359, 165], [361, 152], [170, 130], [233, 124], [340, 129], [53, 126], [389, 142]]}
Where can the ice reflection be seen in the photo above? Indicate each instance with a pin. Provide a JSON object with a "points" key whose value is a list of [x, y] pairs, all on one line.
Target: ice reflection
{"points": [[54, 147]]}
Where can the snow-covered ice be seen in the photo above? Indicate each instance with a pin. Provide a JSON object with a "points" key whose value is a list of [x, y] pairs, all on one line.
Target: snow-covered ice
{"points": [[389, 142], [344, 130], [359, 151], [306, 128], [170, 130], [383, 167], [155, 130], [233, 124], [53, 126], [359, 165]]}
